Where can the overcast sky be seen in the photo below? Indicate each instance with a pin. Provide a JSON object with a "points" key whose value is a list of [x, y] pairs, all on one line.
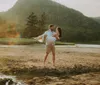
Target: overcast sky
{"points": [[89, 8], [6, 4]]}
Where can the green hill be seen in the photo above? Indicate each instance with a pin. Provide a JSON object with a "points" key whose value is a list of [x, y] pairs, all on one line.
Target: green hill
{"points": [[76, 26]]}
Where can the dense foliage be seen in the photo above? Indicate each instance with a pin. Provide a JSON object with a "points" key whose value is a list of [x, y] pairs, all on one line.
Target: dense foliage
{"points": [[34, 27]]}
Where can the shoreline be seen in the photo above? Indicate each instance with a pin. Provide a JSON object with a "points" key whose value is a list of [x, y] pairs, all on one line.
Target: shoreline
{"points": [[73, 65]]}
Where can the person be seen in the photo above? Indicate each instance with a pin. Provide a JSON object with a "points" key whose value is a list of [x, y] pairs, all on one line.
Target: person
{"points": [[56, 36], [50, 36]]}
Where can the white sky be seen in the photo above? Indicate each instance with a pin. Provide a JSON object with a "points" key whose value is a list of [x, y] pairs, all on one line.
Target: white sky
{"points": [[89, 8], [6, 4]]}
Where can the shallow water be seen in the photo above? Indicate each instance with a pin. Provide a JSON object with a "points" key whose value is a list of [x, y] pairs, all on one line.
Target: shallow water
{"points": [[77, 45], [88, 45], [13, 78], [80, 46]]}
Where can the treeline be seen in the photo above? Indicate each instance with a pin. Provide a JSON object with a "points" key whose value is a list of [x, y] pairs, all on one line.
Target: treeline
{"points": [[75, 29], [80, 35], [35, 25]]}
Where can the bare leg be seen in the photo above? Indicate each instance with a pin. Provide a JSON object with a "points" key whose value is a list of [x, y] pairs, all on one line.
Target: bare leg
{"points": [[53, 59], [53, 54], [48, 50], [45, 58]]}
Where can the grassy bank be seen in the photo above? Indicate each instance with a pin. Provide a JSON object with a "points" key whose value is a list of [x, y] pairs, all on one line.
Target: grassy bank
{"points": [[17, 41], [25, 41], [64, 43]]}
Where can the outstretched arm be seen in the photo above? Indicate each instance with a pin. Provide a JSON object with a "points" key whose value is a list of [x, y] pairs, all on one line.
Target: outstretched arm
{"points": [[41, 36]]}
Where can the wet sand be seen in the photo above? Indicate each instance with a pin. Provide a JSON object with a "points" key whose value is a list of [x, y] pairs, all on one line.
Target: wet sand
{"points": [[66, 57]]}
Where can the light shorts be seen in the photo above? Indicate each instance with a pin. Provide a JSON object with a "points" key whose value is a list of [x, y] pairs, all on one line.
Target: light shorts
{"points": [[50, 48]]}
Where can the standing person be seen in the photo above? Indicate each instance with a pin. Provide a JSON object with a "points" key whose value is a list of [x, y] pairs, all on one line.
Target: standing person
{"points": [[50, 37]]}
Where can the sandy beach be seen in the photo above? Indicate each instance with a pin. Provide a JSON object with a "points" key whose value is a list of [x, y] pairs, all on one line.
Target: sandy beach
{"points": [[74, 65]]}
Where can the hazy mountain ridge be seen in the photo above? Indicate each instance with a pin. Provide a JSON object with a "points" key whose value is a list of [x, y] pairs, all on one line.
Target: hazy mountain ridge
{"points": [[97, 19], [24, 7], [73, 22]]}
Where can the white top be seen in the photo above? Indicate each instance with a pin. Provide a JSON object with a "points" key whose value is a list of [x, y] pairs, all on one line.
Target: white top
{"points": [[49, 38]]}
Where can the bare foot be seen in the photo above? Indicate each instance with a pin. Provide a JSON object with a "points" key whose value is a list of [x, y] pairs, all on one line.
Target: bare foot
{"points": [[54, 65], [44, 65]]}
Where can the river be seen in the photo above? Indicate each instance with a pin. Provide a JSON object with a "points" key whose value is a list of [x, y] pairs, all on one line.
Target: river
{"points": [[76, 45]]}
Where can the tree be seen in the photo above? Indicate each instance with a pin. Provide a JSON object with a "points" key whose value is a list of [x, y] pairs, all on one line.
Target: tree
{"points": [[42, 23], [34, 27], [31, 26]]}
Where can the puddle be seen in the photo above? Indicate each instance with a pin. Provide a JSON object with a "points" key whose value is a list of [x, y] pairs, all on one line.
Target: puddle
{"points": [[10, 80]]}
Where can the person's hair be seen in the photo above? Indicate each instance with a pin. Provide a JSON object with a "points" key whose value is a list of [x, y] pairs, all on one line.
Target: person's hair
{"points": [[60, 32], [51, 25]]}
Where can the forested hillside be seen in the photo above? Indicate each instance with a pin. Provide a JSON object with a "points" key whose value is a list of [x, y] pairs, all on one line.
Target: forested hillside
{"points": [[75, 26]]}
